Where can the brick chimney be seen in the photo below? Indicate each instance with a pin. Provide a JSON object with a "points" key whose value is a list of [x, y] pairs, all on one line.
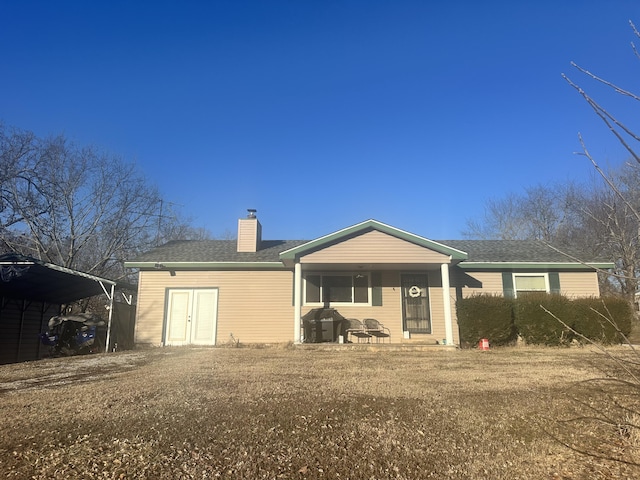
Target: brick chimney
{"points": [[249, 232]]}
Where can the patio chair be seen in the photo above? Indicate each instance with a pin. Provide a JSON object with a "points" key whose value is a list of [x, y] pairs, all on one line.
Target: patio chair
{"points": [[355, 328], [376, 329]]}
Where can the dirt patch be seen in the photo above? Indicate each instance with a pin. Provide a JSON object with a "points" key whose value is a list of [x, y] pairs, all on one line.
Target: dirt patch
{"points": [[51, 373], [294, 413]]}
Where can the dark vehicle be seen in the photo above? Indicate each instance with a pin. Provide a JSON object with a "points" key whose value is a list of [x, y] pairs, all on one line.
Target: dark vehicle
{"points": [[75, 334]]}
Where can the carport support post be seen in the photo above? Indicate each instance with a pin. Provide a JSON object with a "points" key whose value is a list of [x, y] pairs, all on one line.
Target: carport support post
{"points": [[446, 297], [106, 347], [297, 301]]}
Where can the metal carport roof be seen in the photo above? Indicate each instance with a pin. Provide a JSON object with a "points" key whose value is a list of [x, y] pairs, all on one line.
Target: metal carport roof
{"points": [[32, 279], [24, 277]]}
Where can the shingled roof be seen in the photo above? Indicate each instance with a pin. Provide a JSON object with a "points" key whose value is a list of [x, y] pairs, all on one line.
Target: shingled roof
{"points": [[481, 251], [520, 251], [215, 251]]}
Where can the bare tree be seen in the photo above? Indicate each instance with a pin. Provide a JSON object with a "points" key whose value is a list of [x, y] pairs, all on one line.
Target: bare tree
{"points": [[77, 206], [601, 218], [615, 211], [614, 227], [18, 163], [501, 220], [539, 213], [611, 416]]}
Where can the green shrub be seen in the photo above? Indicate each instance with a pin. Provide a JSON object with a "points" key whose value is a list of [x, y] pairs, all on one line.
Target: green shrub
{"points": [[485, 316], [591, 314], [536, 326]]}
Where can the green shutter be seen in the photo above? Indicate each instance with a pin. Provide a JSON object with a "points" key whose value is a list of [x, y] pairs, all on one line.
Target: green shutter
{"points": [[554, 282], [507, 285], [376, 289]]}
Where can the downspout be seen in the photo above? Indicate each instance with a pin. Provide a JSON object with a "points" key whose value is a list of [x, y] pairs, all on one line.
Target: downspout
{"points": [[297, 301], [446, 297]]}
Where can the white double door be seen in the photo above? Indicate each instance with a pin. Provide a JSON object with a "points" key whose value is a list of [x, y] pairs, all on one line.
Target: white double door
{"points": [[191, 317]]}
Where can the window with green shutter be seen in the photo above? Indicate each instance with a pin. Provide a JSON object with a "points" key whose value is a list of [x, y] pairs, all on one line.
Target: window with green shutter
{"points": [[516, 284], [337, 288]]}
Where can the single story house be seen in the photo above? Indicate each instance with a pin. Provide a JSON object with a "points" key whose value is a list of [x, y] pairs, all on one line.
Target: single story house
{"points": [[261, 291]]}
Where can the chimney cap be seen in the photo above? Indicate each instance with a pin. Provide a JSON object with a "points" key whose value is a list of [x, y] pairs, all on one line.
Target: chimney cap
{"points": [[251, 213]]}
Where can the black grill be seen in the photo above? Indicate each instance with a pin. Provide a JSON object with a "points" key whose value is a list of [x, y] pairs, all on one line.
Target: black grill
{"points": [[322, 325]]}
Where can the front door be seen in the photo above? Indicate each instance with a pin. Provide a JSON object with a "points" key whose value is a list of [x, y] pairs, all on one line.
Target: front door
{"points": [[191, 317], [415, 303]]}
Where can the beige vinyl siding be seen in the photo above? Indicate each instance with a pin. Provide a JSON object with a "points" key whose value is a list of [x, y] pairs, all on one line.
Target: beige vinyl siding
{"points": [[375, 247], [470, 283], [572, 284], [150, 308], [255, 306], [579, 284]]}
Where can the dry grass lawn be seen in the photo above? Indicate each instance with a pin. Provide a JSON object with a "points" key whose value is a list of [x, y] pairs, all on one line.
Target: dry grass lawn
{"points": [[308, 413]]}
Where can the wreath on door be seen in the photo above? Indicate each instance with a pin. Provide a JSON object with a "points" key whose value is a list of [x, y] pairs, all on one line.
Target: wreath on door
{"points": [[414, 291]]}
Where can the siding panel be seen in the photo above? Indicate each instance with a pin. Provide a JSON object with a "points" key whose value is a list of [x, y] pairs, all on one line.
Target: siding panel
{"points": [[470, 283], [579, 284], [375, 247], [245, 298], [572, 284], [256, 306]]}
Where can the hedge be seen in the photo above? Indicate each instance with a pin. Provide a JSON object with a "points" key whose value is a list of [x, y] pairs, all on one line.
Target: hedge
{"points": [[602, 320], [536, 326], [486, 316], [502, 320]]}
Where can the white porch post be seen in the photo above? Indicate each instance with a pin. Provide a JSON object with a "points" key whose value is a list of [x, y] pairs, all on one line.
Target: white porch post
{"points": [[446, 297], [297, 301]]}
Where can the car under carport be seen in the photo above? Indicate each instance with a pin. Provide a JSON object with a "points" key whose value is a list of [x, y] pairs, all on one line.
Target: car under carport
{"points": [[32, 291]]}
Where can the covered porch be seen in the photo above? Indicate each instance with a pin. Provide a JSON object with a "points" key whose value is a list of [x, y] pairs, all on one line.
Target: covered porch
{"points": [[373, 270], [405, 303]]}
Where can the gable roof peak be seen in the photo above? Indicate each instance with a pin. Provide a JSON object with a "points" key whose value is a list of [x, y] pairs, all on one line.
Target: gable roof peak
{"points": [[363, 227]]}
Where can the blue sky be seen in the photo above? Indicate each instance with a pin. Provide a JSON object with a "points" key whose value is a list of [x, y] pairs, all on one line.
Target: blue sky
{"points": [[322, 114]]}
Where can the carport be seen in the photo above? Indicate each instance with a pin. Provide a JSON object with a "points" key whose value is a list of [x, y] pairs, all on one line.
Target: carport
{"points": [[32, 291]]}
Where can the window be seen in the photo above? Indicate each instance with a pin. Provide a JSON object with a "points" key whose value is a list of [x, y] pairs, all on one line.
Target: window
{"points": [[337, 288], [528, 283]]}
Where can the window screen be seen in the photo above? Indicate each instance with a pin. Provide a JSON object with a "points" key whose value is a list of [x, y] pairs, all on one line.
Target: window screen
{"points": [[337, 288], [530, 283]]}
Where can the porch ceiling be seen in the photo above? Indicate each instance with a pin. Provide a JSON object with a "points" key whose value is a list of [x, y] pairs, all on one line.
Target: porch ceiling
{"points": [[368, 267]]}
